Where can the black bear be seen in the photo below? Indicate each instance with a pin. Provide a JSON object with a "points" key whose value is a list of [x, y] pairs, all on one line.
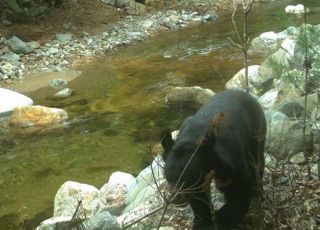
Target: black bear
{"points": [[224, 140]]}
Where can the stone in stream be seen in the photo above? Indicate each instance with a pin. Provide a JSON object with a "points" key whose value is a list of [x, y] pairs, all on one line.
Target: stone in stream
{"points": [[10, 99]]}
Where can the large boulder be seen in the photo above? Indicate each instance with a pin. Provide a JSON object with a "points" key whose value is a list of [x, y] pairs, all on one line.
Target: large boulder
{"points": [[187, 97], [70, 194], [10, 100], [265, 44], [285, 136], [143, 195], [257, 85]]}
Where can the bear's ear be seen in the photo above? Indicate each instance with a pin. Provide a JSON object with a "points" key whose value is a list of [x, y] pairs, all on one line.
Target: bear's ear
{"points": [[167, 143]]}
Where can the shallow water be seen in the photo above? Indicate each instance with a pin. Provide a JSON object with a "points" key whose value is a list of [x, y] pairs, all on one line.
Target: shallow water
{"points": [[120, 110]]}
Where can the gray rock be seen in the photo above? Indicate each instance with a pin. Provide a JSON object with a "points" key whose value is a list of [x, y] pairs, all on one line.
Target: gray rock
{"points": [[298, 158], [285, 138], [10, 57], [64, 38], [33, 45], [54, 223], [67, 92], [18, 46], [266, 44], [257, 85], [109, 2], [103, 220], [57, 83], [52, 51], [290, 108]]}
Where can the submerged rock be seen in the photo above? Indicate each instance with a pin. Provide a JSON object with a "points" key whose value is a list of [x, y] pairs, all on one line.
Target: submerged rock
{"points": [[29, 119], [187, 97]]}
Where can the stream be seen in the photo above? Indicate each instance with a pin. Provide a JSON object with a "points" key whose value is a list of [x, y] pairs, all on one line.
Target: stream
{"points": [[119, 111]]}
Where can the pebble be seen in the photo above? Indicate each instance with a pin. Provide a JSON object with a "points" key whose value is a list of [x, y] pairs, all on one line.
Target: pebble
{"points": [[56, 54]]}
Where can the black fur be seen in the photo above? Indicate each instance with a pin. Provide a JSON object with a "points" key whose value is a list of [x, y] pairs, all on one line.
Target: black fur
{"points": [[225, 137]]}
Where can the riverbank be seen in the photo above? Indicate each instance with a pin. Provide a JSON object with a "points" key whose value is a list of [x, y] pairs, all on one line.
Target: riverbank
{"points": [[68, 48]]}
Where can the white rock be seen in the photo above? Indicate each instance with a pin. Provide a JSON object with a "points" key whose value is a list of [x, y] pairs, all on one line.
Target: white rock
{"points": [[269, 36], [10, 100], [288, 45], [120, 178], [296, 9], [268, 99], [298, 158], [54, 223], [64, 93], [70, 193], [238, 81], [113, 195]]}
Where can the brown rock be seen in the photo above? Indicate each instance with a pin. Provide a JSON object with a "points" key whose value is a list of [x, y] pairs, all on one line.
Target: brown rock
{"points": [[40, 116]]}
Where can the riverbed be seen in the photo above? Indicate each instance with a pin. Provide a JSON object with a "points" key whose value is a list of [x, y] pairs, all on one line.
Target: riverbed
{"points": [[119, 111]]}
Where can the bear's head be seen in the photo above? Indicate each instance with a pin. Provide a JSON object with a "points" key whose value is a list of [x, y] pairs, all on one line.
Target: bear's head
{"points": [[186, 161]]}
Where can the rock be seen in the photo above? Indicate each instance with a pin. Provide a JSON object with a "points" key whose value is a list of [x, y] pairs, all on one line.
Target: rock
{"points": [[270, 161], [11, 71], [18, 46], [59, 222], [67, 92], [285, 137], [290, 108], [38, 116], [9, 100], [109, 2], [268, 99], [114, 192], [187, 97], [296, 9], [6, 22], [52, 51], [314, 169], [298, 158], [266, 44], [69, 195], [113, 209], [33, 45], [142, 191], [64, 39], [10, 57], [103, 220], [274, 116], [288, 45], [58, 83], [135, 8], [121, 178], [257, 85]]}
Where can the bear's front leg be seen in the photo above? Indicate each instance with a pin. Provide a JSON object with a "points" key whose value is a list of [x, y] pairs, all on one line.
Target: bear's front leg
{"points": [[201, 207], [238, 197]]}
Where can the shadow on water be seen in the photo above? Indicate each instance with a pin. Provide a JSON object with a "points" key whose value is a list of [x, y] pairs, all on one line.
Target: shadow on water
{"points": [[117, 108]]}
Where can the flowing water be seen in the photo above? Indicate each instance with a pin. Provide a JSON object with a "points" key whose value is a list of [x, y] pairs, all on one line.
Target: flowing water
{"points": [[120, 110]]}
